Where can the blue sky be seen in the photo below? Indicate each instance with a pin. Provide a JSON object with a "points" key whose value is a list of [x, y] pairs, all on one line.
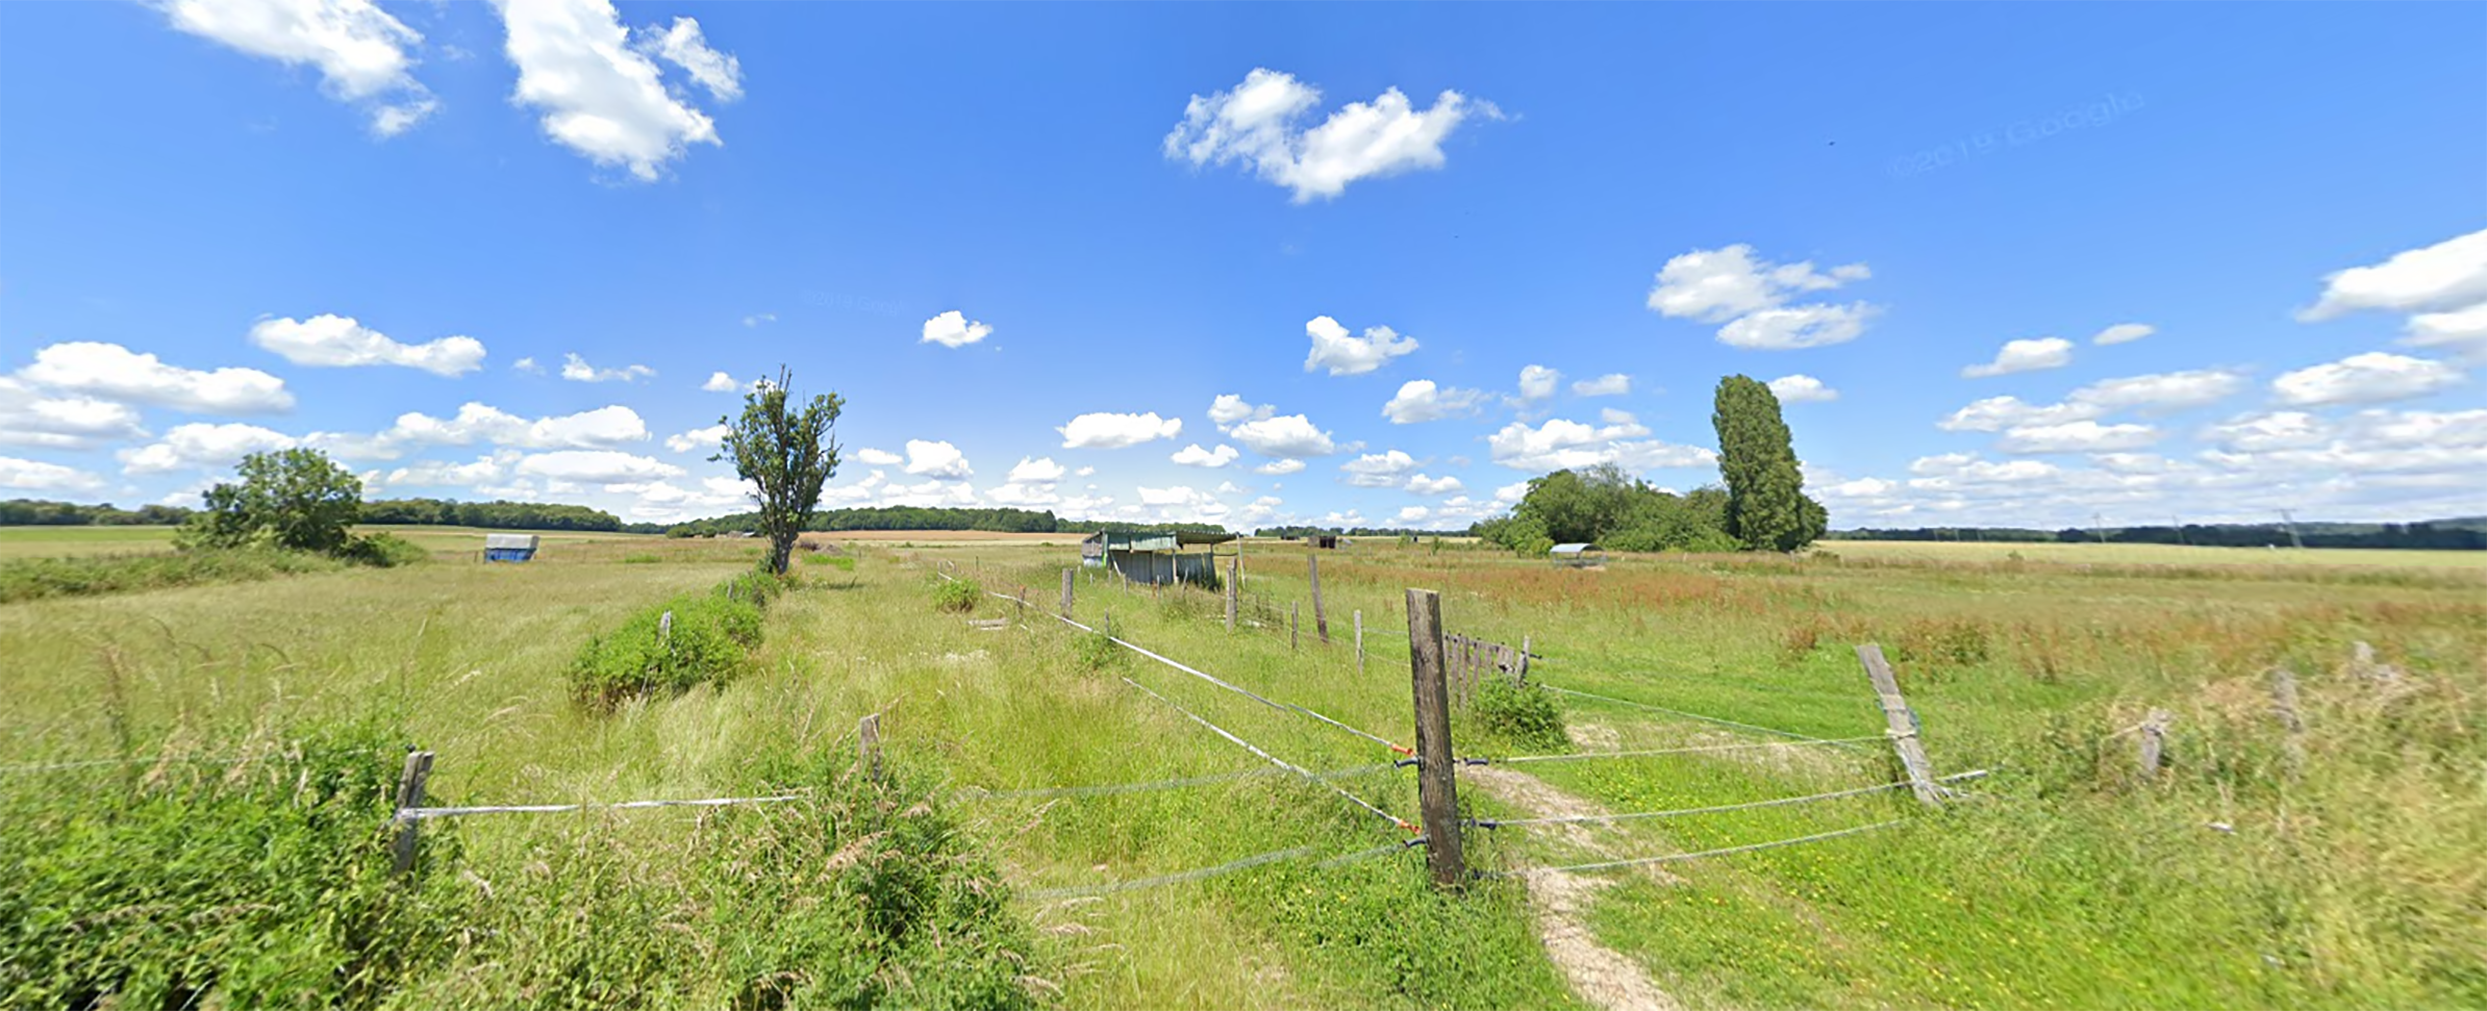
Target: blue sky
{"points": [[385, 230]]}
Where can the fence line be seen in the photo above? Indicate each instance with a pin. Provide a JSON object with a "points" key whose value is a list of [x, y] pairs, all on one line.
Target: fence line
{"points": [[1230, 867], [1273, 759], [1706, 719], [979, 793], [426, 813], [1682, 812], [1213, 679], [1701, 854], [1695, 750]]}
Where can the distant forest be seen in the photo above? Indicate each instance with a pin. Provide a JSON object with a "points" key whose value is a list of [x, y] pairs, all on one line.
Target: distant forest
{"points": [[2467, 533], [416, 511], [1009, 521]]}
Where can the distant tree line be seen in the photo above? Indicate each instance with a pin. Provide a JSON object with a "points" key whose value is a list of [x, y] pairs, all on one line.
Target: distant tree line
{"points": [[1013, 521], [409, 511], [502, 515], [2464, 534], [1604, 506], [1299, 532], [28, 512]]}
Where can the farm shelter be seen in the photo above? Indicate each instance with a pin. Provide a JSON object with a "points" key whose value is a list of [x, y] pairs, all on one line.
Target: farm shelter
{"points": [[1578, 556], [509, 547], [1156, 558]]}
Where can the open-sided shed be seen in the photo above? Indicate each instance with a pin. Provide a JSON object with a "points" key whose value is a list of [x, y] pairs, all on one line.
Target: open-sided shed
{"points": [[1578, 556], [1156, 558], [509, 547]]}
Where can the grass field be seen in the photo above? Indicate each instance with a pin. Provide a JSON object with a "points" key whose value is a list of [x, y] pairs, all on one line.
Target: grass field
{"points": [[2151, 554], [2240, 875]]}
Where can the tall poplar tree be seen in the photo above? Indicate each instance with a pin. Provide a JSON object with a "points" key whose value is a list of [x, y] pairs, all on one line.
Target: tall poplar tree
{"points": [[788, 454], [1767, 508]]}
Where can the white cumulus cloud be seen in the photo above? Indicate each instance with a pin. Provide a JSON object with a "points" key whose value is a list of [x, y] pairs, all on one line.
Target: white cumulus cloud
{"points": [[2123, 333], [113, 372], [576, 369], [1228, 410], [2076, 437], [1257, 124], [1035, 470], [1194, 456], [1378, 470], [332, 340], [1420, 484], [683, 46], [1537, 382], [602, 428], [1278, 468], [595, 466], [30, 417], [1750, 296], [36, 475], [363, 55], [1800, 389], [951, 329], [599, 96], [2024, 356], [2448, 275], [939, 460], [698, 438], [203, 446], [1420, 400], [1104, 430], [1346, 355], [1289, 436], [2462, 332], [2364, 379], [1614, 384], [1561, 444], [878, 457]]}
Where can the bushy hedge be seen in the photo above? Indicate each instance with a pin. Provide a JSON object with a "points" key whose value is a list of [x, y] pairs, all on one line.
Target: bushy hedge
{"points": [[708, 641], [36, 578], [262, 883], [958, 595], [1521, 714]]}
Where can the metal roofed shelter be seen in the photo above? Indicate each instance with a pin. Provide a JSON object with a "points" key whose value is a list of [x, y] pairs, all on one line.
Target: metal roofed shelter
{"points": [[1578, 556], [509, 547], [1156, 558]]}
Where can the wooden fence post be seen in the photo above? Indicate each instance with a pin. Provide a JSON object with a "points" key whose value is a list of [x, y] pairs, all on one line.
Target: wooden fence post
{"points": [[1066, 593], [1295, 618], [2152, 744], [1437, 791], [868, 744], [410, 782], [1234, 581], [1522, 673], [1902, 722], [1359, 642], [2284, 706], [1321, 618]]}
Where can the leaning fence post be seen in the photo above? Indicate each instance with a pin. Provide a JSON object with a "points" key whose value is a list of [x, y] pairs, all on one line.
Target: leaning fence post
{"points": [[1321, 618], [2153, 742], [1066, 593], [868, 744], [410, 782], [2284, 706], [1903, 726], [1436, 786]]}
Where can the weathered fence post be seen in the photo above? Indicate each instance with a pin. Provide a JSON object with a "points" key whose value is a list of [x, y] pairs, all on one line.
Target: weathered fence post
{"points": [[1360, 642], [868, 744], [1066, 593], [1521, 675], [1295, 618], [410, 782], [1902, 722], [1321, 618], [1437, 791], [2153, 742], [1022, 601], [665, 622], [2284, 706], [1234, 586]]}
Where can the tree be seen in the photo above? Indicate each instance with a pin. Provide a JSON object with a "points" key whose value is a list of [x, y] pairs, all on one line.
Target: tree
{"points": [[1767, 508], [789, 455], [295, 499]]}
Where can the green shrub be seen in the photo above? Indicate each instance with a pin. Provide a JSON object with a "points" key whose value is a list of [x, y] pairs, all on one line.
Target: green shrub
{"points": [[37, 578], [958, 595], [384, 551], [1095, 651], [841, 563], [756, 587], [1521, 714], [262, 883], [707, 642]]}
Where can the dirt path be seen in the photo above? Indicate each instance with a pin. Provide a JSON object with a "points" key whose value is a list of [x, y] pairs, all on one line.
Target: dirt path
{"points": [[1601, 975]]}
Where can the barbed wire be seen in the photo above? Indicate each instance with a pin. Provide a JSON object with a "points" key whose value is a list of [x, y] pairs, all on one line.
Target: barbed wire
{"points": [[979, 793], [1693, 750], [427, 813], [1684, 812], [1702, 854], [1275, 760], [1705, 719]]}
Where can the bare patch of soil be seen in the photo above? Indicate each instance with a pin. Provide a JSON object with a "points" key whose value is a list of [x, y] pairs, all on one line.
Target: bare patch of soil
{"points": [[1603, 976]]}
